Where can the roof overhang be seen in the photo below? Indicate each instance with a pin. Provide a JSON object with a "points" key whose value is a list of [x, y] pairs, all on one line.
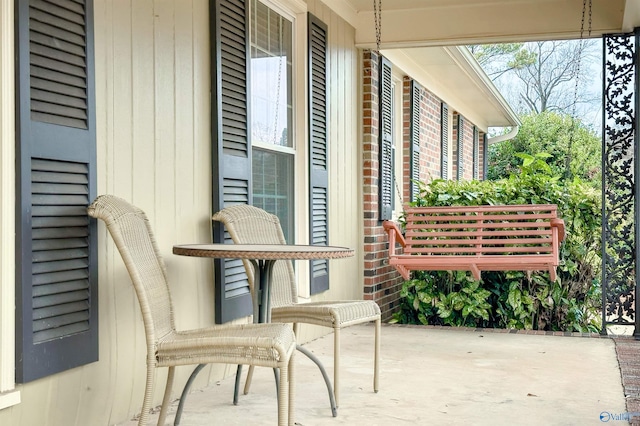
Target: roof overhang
{"points": [[420, 23], [453, 75]]}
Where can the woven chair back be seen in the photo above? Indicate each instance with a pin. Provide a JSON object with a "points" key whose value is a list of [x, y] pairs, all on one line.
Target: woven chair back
{"points": [[250, 225], [133, 236]]}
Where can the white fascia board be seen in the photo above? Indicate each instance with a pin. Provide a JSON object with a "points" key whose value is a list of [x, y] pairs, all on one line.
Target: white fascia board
{"points": [[468, 62]]}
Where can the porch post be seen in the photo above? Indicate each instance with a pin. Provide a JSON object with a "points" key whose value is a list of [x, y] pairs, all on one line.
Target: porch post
{"points": [[636, 172], [620, 215]]}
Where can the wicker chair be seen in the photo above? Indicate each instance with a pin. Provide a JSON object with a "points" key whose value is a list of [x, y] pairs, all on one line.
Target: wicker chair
{"points": [[268, 345], [250, 225]]}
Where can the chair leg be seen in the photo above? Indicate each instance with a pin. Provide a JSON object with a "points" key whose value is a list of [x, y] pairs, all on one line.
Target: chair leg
{"points": [[283, 397], [247, 382], [236, 387], [167, 397], [148, 393], [336, 365], [376, 358], [292, 390]]}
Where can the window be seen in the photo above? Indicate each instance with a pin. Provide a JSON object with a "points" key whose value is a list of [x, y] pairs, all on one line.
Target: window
{"points": [[272, 115], [273, 186], [257, 104]]}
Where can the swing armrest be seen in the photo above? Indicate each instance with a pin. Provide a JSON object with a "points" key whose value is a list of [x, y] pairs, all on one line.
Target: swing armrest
{"points": [[395, 236], [559, 223]]}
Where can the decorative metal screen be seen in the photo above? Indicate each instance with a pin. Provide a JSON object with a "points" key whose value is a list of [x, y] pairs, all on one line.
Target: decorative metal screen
{"points": [[619, 195]]}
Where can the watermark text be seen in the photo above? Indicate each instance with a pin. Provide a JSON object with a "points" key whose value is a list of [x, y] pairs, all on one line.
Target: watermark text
{"points": [[607, 416]]}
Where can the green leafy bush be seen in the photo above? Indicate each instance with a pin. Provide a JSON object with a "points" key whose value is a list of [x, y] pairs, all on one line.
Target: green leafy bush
{"points": [[574, 148], [515, 299]]}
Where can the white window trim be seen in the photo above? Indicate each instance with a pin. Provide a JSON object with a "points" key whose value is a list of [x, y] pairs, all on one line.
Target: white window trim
{"points": [[9, 396], [296, 11], [274, 148]]}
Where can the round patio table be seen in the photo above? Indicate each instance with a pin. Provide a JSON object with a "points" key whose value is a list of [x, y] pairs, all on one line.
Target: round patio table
{"points": [[262, 257]]}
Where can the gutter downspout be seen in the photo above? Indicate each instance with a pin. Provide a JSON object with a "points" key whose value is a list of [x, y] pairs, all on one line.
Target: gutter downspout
{"points": [[509, 135]]}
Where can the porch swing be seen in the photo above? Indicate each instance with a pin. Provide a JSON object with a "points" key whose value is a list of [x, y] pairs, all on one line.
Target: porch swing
{"points": [[480, 238]]}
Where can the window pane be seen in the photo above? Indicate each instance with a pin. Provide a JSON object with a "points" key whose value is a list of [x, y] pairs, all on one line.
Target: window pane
{"points": [[273, 186], [271, 114], [271, 47]]}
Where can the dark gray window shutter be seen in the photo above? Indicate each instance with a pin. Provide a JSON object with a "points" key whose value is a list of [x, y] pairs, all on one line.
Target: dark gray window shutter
{"points": [[414, 133], [476, 153], [318, 146], [385, 180], [231, 145], [56, 250], [444, 141], [460, 148]]}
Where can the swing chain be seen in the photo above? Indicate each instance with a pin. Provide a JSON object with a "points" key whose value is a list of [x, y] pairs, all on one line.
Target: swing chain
{"points": [[575, 91], [377, 17], [395, 181], [575, 87]]}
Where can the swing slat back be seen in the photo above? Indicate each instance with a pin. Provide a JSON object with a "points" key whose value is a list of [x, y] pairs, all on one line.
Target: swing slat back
{"points": [[477, 238]]}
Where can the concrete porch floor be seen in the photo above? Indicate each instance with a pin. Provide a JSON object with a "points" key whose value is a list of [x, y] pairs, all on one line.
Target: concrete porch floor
{"points": [[435, 376]]}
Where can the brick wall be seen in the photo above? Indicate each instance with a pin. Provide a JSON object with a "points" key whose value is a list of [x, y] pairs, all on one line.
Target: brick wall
{"points": [[381, 282]]}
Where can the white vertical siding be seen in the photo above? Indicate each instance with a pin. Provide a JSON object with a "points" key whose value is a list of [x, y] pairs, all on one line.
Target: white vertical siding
{"points": [[153, 133], [155, 150], [152, 89], [345, 176]]}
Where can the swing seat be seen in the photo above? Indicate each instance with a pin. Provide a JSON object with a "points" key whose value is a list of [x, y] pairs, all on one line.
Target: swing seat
{"points": [[477, 238]]}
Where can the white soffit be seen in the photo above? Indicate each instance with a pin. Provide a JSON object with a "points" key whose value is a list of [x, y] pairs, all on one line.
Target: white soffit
{"points": [[453, 75]]}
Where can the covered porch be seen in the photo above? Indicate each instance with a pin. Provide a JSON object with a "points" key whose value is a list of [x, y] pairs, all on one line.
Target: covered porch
{"points": [[155, 130], [436, 375]]}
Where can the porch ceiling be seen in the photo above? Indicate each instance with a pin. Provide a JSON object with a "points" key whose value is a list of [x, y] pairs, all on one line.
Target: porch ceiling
{"points": [[419, 23]]}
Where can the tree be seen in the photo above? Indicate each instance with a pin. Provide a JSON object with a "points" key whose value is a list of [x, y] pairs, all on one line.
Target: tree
{"points": [[551, 82], [498, 59], [574, 148], [544, 75]]}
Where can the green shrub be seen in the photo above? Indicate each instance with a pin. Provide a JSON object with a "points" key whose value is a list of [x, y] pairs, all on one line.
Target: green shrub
{"points": [[515, 299]]}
